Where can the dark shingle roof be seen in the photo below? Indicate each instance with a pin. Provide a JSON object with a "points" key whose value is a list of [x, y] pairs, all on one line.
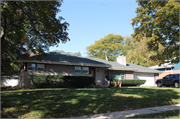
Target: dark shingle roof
{"points": [[129, 66], [56, 56], [59, 56], [142, 68]]}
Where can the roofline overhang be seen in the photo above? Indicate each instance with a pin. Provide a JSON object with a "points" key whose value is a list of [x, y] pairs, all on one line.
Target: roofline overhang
{"points": [[135, 70], [149, 71], [127, 69], [68, 63]]}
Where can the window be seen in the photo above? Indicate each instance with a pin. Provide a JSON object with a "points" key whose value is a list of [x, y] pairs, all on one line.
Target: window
{"points": [[77, 70], [85, 70], [115, 74], [166, 77], [35, 67], [123, 75], [31, 67], [40, 67]]}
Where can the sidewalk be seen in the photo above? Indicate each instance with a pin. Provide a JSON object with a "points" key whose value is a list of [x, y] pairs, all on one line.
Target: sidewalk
{"points": [[130, 113]]}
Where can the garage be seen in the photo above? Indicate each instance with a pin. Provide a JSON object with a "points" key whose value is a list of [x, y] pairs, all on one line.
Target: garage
{"points": [[145, 76]]}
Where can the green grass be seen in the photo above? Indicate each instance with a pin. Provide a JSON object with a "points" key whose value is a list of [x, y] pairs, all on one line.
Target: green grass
{"points": [[59, 102], [173, 114]]}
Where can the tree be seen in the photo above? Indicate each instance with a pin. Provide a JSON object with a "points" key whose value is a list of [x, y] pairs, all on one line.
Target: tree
{"points": [[77, 53], [29, 26], [128, 45], [158, 21], [70, 53], [140, 54], [107, 48]]}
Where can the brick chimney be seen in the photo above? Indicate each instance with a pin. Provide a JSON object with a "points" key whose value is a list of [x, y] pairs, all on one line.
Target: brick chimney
{"points": [[121, 60]]}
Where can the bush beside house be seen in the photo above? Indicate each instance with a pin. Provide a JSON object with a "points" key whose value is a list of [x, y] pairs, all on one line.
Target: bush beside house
{"points": [[128, 82], [60, 81]]}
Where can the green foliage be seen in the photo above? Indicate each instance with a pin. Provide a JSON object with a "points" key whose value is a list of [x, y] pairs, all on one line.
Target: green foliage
{"points": [[140, 54], [108, 47], [97, 86], [158, 21], [29, 27], [79, 81], [129, 82], [76, 53], [128, 45], [66, 103], [41, 81], [55, 80]]}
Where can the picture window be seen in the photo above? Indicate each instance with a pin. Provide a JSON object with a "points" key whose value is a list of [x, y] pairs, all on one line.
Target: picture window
{"points": [[40, 67], [77, 70], [31, 67]]}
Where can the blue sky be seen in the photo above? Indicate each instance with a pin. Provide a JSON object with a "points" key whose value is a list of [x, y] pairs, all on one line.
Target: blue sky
{"points": [[92, 20]]}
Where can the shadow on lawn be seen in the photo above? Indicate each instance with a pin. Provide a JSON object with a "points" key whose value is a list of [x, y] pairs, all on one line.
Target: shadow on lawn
{"points": [[58, 103]]}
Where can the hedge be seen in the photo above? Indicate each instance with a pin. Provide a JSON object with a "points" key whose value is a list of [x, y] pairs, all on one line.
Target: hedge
{"points": [[39, 80], [44, 81], [79, 81], [128, 82]]}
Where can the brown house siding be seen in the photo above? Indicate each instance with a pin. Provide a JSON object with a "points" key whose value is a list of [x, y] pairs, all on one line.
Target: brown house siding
{"points": [[129, 75], [50, 69]]}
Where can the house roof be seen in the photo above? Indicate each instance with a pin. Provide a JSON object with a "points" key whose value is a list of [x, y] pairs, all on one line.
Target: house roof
{"points": [[128, 67], [115, 65], [143, 69], [57, 57]]}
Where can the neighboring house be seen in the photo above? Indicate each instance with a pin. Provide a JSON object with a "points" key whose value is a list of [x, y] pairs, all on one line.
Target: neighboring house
{"points": [[10, 80], [163, 67], [167, 68], [58, 63]]}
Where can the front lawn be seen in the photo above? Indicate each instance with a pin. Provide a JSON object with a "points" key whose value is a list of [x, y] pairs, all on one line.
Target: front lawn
{"points": [[59, 102]]}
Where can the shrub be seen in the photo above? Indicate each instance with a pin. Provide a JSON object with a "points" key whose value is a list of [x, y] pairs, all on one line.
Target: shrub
{"points": [[56, 81], [97, 86], [41, 81], [129, 82], [79, 81]]}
